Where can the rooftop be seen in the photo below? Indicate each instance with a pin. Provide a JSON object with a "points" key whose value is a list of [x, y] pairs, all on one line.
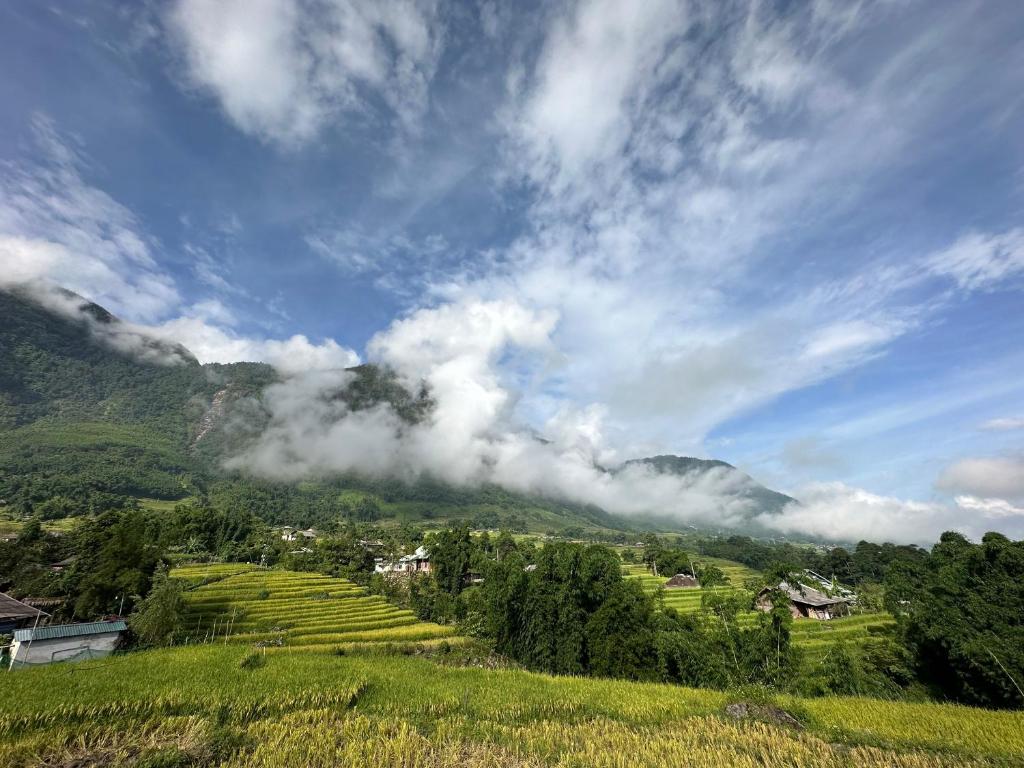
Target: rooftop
{"points": [[69, 630], [801, 593], [15, 609]]}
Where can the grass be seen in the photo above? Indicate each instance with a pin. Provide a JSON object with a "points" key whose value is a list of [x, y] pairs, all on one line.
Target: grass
{"points": [[247, 605], [226, 705]]}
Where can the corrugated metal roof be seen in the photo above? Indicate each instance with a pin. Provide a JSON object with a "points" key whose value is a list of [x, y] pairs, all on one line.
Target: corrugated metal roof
{"points": [[801, 593], [15, 609], [69, 630]]}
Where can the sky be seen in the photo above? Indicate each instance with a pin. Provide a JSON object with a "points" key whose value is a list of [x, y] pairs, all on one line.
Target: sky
{"points": [[784, 235]]}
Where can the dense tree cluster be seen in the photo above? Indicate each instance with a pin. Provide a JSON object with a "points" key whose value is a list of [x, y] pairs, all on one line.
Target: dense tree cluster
{"points": [[961, 612], [868, 562], [566, 608]]}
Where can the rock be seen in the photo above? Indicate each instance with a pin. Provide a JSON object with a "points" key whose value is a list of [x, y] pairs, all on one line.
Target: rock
{"points": [[745, 710]]}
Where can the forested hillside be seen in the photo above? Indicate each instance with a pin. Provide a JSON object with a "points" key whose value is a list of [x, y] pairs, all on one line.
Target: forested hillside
{"points": [[93, 414], [85, 426]]}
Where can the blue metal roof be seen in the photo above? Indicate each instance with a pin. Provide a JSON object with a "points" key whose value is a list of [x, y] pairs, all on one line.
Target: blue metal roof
{"points": [[69, 630]]}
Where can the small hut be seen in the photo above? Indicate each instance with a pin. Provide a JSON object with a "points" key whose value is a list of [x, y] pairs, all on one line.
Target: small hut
{"points": [[682, 581], [806, 602], [66, 642]]}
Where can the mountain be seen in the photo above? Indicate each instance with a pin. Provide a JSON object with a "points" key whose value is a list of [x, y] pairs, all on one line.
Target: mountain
{"points": [[763, 500], [93, 412]]}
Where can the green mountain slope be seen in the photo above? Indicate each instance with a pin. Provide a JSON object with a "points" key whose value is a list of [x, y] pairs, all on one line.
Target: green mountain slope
{"points": [[90, 414]]}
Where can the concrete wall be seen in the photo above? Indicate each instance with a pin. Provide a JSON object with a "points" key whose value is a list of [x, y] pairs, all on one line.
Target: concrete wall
{"points": [[64, 649]]}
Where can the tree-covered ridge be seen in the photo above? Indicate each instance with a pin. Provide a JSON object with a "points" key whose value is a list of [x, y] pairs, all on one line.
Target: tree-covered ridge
{"points": [[52, 366], [85, 426]]}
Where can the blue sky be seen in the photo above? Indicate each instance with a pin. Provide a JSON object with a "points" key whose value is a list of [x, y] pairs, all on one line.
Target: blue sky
{"points": [[787, 235]]}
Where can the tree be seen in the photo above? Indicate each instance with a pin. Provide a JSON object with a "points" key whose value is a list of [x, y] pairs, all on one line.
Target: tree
{"points": [[161, 612], [505, 545], [652, 548], [117, 558], [962, 618], [451, 554], [671, 561], [620, 634], [711, 576]]}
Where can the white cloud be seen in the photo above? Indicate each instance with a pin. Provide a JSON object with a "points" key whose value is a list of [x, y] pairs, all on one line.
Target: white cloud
{"points": [[980, 261], [592, 66], [473, 434], [840, 512], [54, 223], [991, 508], [987, 477], [56, 229], [211, 343], [649, 213], [282, 68], [1004, 424]]}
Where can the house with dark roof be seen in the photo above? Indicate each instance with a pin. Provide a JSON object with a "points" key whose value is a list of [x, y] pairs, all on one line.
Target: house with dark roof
{"points": [[66, 642], [682, 581], [15, 614], [805, 602]]}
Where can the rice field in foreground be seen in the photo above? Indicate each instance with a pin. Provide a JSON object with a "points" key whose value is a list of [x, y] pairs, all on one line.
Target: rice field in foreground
{"points": [[813, 636], [253, 606], [230, 706]]}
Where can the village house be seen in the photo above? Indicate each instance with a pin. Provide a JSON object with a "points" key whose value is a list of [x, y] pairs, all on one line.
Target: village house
{"points": [[682, 581], [14, 614], [806, 602], [832, 586], [66, 642], [60, 565], [297, 534], [417, 562]]}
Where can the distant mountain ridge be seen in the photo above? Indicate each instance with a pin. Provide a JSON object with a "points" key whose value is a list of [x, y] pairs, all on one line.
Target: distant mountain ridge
{"points": [[764, 499], [87, 418]]}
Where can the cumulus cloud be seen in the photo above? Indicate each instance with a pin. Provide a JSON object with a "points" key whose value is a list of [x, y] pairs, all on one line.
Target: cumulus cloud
{"points": [[212, 343], [840, 512], [991, 508], [473, 434], [282, 68], [709, 131], [987, 477]]}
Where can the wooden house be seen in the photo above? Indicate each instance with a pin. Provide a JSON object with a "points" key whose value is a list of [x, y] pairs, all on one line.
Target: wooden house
{"points": [[805, 602]]}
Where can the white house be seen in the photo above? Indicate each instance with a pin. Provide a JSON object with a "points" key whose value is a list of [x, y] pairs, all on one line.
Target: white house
{"points": [[294, 534], [417, 562], [65, 642]]}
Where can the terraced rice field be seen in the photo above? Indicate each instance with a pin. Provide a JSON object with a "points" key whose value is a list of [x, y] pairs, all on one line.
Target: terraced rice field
{"points": [[302, 611], [814, 637], [689, 600], [210, 705], [196, 575]]}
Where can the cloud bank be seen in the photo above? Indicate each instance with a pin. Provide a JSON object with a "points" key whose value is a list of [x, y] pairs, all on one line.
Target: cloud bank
{"points": [[473, 435]]}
